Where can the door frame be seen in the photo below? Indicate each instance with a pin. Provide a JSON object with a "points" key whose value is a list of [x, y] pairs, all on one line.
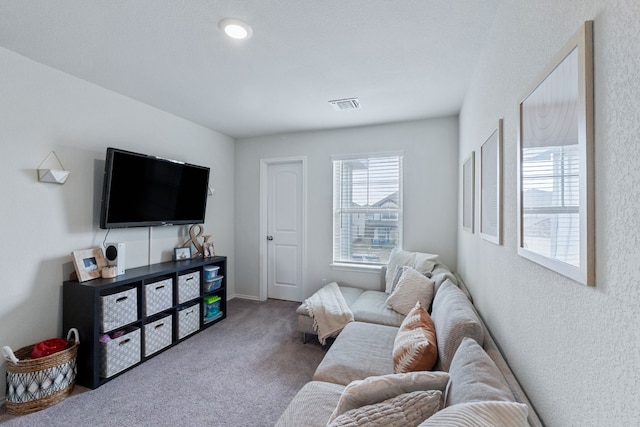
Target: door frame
{"points": [[264, 196]]}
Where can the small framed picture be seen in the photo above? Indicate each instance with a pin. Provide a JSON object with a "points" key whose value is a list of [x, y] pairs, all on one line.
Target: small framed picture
{"points": [[181, 254], [88, 263], [209, 250]]}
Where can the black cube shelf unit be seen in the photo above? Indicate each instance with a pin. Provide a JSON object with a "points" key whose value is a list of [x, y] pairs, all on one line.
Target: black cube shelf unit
{"points": [[128, 319]]}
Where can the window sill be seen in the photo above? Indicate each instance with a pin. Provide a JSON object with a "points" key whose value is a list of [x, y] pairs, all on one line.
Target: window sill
{"points": [[362, 268]]}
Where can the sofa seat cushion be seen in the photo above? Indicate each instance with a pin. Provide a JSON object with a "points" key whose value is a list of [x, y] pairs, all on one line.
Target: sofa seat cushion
{"points": [[360, 351], [475, 377], [454, 318], [312, 405], [371, 307]]}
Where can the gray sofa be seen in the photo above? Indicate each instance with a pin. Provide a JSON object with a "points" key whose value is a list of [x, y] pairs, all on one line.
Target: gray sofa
{"points": [[478, 380]]}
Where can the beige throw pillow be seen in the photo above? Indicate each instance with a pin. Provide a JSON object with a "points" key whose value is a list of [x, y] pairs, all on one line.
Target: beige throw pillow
{"points": [[422, 262], [408, 409], [412, 287], [378, 388], [494, 414], [415, 347]]}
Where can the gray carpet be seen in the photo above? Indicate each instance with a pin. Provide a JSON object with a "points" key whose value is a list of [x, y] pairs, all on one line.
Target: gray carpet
{"points": [[242, 371]]}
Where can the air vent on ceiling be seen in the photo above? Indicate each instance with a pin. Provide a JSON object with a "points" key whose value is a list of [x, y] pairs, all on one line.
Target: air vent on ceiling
{"points": [[345, 104]]}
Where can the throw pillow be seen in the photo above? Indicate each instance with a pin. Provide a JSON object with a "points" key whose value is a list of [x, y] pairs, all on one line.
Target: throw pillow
{"points": [[494, 414], [378, 388], [398, 274], [412, 287], [422, 262], [454, 318], [475, 377], [397, 258], [415, 347], [408, 409]]}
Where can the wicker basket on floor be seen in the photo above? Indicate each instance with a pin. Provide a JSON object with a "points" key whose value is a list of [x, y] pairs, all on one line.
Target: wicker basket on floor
{"points": [[35, 384]]}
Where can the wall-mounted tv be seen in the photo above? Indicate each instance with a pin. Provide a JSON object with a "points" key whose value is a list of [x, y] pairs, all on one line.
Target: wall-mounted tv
{"points": [[141, 190]]}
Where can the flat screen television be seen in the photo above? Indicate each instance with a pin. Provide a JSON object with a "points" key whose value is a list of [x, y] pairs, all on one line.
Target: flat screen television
{"points": [[141, 190]]}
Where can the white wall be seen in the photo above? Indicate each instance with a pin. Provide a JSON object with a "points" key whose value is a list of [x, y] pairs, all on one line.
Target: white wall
{"points": [[430, 199], [575, 349], [42, 109]]}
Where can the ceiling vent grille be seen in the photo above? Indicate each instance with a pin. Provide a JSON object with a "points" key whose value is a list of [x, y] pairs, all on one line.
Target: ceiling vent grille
{"points": [[345, 104]]}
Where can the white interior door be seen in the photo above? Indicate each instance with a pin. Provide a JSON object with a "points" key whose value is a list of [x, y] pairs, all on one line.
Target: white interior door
{"points": [[285, 230]]}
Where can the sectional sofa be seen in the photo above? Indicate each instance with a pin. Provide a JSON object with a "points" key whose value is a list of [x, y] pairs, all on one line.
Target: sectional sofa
{"points": [[366, 377]]}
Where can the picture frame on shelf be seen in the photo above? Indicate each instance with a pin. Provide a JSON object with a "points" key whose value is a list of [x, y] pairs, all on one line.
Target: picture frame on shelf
{"points": [[491, 187], [182, 253], [468, 190], [88, 263], [556, 166]]}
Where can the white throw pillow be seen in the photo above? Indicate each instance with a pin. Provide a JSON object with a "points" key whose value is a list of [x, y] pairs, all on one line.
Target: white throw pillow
{"points": [[378, 388], [487, 413], [411, 288], [398, 258], [422, 262], [407, 409]]}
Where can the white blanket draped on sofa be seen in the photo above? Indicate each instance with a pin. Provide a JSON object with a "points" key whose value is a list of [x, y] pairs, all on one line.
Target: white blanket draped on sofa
{"points": [[329, 311]]}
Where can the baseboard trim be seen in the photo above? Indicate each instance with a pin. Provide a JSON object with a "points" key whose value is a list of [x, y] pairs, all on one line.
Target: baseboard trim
{"points": [[249, 297]]}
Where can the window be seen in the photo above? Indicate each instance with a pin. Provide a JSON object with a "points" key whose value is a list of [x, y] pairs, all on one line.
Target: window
{"points": [[367, 208]]}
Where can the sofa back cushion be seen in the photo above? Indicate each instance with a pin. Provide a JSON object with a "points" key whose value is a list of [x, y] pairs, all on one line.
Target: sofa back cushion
{"points": [[495, 414], [454, 318], [474, 376]]}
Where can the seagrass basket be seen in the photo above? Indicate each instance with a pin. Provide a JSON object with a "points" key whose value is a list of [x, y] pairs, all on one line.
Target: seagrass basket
{"points": [[35, 384]]}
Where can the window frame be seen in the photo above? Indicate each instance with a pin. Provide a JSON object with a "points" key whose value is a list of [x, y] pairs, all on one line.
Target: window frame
{"points": [[339, 262]]}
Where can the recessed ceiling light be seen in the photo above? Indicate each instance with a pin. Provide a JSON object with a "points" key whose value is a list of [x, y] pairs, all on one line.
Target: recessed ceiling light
{"points": [[235, 28]]}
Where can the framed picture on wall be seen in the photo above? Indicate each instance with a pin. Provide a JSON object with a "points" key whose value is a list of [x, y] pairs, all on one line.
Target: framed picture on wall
{"points": [[491, 187], [555, 164], [468, 190]]}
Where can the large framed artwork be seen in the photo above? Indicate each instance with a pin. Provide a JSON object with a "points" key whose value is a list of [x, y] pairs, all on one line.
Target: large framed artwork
{"points": [[468, 190], [491, 187], [555, 164]]}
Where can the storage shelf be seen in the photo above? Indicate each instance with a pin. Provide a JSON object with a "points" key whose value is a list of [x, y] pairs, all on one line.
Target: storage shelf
{"points": [[81, 306]]}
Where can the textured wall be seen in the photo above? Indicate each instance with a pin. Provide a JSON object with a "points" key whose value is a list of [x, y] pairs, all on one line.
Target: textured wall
{"points": [[575, 349]]}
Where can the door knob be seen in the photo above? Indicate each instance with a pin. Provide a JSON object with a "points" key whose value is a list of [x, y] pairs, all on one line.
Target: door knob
{"points": [[269, 237]]}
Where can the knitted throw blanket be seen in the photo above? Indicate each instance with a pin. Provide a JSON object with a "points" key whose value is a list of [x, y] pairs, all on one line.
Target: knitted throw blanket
{"points": [[329, 311]]}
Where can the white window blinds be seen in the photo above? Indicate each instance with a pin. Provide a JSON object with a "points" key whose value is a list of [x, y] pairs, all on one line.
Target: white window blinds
{"points": [[367, 208]]}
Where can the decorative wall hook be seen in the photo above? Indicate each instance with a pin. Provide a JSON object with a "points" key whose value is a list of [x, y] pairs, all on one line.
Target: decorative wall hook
{"points": [[54, 175]]}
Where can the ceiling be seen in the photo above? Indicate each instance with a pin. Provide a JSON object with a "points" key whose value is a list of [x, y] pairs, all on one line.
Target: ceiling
{"points": [[403, 59]]}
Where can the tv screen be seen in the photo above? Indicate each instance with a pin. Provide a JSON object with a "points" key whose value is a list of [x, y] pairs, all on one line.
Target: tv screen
{"points": [[141, 190]]}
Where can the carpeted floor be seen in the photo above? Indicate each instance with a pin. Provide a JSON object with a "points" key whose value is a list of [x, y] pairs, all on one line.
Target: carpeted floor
{"points": [[242, 371]]}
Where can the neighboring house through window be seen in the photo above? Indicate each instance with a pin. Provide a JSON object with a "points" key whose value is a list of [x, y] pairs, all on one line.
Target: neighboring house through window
{"points": [[367, 207]]}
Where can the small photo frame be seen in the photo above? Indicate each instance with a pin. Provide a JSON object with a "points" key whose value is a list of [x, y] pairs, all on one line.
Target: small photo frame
{"points": [[208, 249], [88, 263], [182, 253]]}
